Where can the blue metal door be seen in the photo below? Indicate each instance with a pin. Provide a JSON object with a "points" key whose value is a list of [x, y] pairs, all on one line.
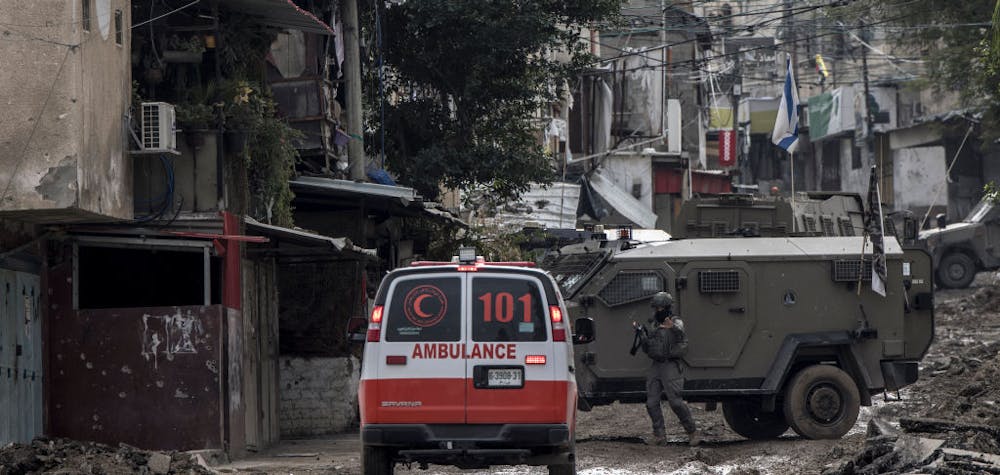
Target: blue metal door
{"points": [[20, 357]]}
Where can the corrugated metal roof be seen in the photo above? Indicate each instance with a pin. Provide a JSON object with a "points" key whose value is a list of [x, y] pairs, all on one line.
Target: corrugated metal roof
{"points": [[282, 14], [334, 186], [304, 238], [624, 203]]}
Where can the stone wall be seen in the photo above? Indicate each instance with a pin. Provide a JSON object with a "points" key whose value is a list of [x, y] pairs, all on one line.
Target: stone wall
{"points": [[318, 395]]}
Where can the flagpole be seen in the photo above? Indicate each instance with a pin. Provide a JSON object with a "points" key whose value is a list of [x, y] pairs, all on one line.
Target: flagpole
{"points": [[791, 160]]}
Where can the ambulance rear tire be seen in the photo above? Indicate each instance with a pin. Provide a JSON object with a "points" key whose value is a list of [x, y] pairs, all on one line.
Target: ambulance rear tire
{"points": [[822, 402], [376, 461], [747, 419], [566, 468]]}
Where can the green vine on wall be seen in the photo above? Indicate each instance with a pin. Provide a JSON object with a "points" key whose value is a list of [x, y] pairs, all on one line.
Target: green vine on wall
{"points": [[267, 146]]}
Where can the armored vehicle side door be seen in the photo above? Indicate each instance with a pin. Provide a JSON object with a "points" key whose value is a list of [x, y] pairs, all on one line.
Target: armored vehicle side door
{"points": [[620, 295], [716, 302]]}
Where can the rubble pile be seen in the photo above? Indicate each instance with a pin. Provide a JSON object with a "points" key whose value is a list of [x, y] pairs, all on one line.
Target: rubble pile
{"points": [[984, 299], [928, 446], [65, 456], [966, 383]]}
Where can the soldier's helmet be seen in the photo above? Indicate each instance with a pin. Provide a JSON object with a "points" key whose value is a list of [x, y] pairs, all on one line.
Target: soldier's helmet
{"points": [[662, 299]]}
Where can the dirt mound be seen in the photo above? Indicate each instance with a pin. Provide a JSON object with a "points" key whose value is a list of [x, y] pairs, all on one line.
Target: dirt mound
{"points": [[64, 456], [962, 306]]}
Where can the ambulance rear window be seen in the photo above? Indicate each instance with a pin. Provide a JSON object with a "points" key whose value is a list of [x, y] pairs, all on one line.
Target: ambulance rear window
{"points": [[425, 309], [507, 309]]}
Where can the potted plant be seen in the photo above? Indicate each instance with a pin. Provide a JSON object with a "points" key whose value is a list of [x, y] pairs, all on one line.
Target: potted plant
{"points": [[194, 119], [183, 50]]}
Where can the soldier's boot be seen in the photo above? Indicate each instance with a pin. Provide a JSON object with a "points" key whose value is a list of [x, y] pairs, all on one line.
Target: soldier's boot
{"points": [[658, 440], [694, 438]]}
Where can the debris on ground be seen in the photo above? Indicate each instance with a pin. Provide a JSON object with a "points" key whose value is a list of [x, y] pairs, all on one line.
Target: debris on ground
{"points": [[65, 456], [932, 446]]}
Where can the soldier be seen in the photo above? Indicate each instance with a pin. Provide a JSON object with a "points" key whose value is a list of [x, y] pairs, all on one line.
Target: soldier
{"points": [[665, 346]]}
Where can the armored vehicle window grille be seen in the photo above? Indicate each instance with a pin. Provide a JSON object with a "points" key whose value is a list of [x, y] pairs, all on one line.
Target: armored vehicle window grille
{"points": [[828, 227], [712, 281], [631, 286], [571, 271], [846, 227], [889, 227], [719, 228], [809, 223], [847, 270]]}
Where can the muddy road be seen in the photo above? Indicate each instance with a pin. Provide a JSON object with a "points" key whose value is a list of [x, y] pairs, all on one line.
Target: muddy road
{"points": [[959, 382]]}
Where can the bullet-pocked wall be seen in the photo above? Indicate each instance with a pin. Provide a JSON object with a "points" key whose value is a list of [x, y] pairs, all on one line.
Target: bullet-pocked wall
{"points": [[63, 141]]}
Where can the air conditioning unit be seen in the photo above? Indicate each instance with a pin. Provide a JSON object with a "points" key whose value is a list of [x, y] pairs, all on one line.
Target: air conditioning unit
{"points": [[159, 134]]}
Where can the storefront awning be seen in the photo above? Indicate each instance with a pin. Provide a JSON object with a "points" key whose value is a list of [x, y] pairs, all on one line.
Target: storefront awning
{"points": [[297, 241], [282, 14], [393, 200]]}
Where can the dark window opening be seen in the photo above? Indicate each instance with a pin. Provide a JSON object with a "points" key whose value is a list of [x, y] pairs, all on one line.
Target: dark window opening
{"points": [[506, 309], [855, 157], [127, 278], [119, 34], [425, 309], [85, 15]]}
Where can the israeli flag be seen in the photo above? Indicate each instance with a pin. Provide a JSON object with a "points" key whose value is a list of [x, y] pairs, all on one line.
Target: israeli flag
{"points": [[786, 124]]}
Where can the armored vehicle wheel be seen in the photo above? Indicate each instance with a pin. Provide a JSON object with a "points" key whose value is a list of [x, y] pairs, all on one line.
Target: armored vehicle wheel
{"points": [[376, 461], [747, 419], [956, 271], [821, 402]]}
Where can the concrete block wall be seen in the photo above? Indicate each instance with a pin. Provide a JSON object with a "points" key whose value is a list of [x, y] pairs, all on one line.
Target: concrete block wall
{"points": [[318, 395]]}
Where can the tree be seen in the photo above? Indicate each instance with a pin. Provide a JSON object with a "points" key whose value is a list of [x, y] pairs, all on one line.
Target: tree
{"points": [[467, 80], [953, 40]]}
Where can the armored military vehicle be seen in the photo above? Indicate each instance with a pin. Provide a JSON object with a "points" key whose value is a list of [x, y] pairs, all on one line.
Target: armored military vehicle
{"points": [[780, 332], [812, 213], [962, 249]]}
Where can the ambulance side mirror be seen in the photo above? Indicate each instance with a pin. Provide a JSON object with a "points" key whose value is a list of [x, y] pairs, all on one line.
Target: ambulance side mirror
{"points": [[357, 329], [583, 331], [909, 229]]}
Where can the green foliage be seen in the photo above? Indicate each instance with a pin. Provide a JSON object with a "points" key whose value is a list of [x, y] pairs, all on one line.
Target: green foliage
{"points": [[270, 152], [469, 77], [958, 56], [194, 115], [443, 240], [991, 192]]}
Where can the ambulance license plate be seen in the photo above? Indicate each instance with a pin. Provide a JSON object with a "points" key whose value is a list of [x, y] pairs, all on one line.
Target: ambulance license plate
{"points": [[505, 377]]}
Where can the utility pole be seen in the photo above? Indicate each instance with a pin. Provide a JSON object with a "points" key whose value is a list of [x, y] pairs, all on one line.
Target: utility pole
{"points": [[869, 131], [352, 76], [743, 165]]}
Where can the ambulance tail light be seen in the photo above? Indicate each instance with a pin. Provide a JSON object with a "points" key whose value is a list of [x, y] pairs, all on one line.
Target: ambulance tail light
{"points": [[375, 324], [534, 359], [558, 326]]}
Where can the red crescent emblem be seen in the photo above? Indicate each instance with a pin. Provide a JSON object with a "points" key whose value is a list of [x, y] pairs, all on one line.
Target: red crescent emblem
{"points": [[416, 306], [416, 309]]}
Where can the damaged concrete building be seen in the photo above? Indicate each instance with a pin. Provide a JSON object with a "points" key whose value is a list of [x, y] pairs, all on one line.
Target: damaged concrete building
{"points": [[156, 290]]}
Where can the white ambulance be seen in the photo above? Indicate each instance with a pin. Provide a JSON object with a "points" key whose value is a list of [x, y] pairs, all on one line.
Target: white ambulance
{"points": [[468, 364]]}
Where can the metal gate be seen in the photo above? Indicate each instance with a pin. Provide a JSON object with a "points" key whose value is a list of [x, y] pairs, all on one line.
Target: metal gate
{"points": [[20, 357]]}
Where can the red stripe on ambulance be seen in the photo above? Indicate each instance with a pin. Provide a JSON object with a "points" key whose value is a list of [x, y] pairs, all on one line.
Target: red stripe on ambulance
{"points": [[443, 401]]}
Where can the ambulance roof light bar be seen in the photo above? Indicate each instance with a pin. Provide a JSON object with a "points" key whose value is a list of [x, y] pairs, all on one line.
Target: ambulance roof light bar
{"points": [[467, 255]]}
